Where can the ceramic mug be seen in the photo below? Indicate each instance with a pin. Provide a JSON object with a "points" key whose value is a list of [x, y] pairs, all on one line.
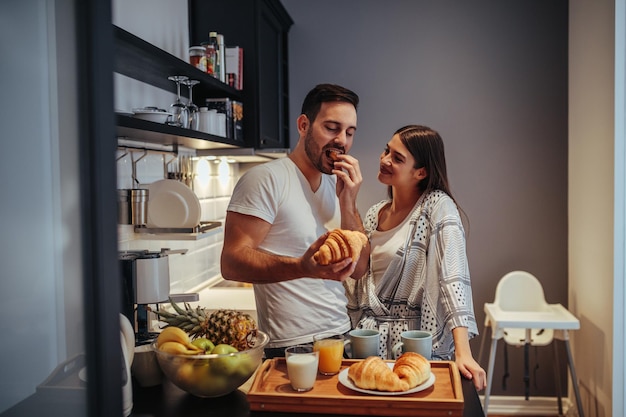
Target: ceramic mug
{"points": [[363, 343], [418, 341]]}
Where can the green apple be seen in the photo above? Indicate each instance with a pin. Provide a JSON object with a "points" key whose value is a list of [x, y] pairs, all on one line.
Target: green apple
{"points": [[227, 364], [223, 348], [247, 365], [185, 373], [204, 344], [190, 374], [214, 386]]}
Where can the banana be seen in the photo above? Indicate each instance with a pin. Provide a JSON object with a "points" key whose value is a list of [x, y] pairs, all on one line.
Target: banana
{"points": [[179, 349], [174, 334]]}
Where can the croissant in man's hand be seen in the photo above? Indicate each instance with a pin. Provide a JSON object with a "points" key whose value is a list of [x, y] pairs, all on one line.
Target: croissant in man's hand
{"points": [[339, 245]]}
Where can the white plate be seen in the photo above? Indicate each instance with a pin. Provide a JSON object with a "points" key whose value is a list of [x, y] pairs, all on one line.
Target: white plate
{"points": [[346, 382], [172, 204], [82, 374]]}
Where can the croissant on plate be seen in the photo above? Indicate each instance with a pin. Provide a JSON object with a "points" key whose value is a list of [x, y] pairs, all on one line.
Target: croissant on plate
{"points": [[373, 373], [412, 368], [339, 245]]}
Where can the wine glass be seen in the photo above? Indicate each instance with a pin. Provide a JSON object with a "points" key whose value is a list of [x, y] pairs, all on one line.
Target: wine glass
{"points": [[194, 112], [180, 112]]}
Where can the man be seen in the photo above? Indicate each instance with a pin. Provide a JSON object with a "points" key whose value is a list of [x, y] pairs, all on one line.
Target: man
{"points": [[279, 215]]}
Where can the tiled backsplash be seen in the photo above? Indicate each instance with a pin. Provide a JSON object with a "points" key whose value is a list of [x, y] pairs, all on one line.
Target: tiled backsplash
{"points": [[213, 185]]}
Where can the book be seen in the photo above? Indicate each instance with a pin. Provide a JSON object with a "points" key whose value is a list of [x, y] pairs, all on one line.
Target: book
{"points": [[234, 66]]}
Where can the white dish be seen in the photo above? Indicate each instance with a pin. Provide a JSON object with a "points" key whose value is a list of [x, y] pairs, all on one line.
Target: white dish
{"points": [[345, 381], [171, 204], [152, 114]]}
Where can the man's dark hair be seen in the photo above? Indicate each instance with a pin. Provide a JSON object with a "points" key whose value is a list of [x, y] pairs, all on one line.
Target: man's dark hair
{"points": [[323, 93]]}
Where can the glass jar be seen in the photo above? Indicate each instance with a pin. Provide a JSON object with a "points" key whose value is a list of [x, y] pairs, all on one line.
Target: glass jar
{"points": [[197, 57], [211, 57]]}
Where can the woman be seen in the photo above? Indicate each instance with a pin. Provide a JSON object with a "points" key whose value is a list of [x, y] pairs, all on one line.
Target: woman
{"points": [[418, 275]]}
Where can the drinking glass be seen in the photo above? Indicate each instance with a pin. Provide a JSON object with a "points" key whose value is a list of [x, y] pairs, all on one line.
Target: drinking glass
{"points": [[302, 363], [180, 112], [330, 347], [194, 112]]}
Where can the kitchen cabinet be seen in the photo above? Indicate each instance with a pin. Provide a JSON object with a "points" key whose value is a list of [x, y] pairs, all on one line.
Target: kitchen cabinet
{"points": [[140, 60], [261, 28]]}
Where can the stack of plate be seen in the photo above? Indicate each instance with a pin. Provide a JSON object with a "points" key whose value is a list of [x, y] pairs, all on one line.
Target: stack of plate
{"points": [[172, 205]]}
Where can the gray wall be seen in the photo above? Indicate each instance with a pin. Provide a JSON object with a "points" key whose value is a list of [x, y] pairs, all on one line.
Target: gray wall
{"points": [[491, 77], [41, 283]]}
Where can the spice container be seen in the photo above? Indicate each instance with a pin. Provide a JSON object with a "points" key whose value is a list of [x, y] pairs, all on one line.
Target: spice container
{"points": [[197, 57], [210, 56]]}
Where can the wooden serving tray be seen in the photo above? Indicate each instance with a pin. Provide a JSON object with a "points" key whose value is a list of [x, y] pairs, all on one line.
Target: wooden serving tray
{"points": [[271, 391]]}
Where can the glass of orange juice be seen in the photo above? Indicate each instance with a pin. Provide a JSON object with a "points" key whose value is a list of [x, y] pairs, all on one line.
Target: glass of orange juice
{"points": [[330, 348]]}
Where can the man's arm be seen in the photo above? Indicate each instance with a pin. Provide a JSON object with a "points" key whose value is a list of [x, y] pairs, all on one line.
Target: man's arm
{"points": [[349, 180], [242, 261]]}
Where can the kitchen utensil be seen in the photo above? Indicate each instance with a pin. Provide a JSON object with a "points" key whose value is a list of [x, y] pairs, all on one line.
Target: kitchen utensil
{"points": [[212, 375], [132, 206], [180, 112], [127, 341], [146, 280], [139, 198], [123, 206], [172, 204], [194, 120], [152, 114], [414, 341], [363, 343]]}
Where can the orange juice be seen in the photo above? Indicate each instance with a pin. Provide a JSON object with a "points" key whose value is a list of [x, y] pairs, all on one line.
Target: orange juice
{"points": [[331, 354]]}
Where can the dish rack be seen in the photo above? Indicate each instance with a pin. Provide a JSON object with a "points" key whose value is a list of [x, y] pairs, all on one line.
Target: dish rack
{"points": [[203, 227]]}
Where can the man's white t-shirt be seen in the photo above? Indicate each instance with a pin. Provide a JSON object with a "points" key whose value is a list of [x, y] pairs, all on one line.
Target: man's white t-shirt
{"points": [[292, 312]]}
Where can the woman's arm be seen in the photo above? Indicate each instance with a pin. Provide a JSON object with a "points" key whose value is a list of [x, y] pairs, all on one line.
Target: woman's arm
{"points": [[468, 367]]}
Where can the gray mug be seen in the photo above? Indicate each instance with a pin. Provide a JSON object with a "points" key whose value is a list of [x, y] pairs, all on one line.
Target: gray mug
{"points": [[364, 343], [418, 341]]}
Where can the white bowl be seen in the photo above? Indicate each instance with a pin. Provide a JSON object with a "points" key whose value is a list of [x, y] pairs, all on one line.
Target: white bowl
{"points": [[152, 114]]}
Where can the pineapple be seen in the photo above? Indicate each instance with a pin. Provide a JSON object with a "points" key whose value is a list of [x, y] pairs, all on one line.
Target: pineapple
{"points": [[230, 327]]}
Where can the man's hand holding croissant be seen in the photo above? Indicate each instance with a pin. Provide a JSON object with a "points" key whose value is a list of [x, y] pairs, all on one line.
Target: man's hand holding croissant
{"points": [[339, 245]]}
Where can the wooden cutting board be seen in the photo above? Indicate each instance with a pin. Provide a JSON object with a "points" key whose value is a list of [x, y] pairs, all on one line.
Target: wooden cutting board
{"points": [[271, 391]]}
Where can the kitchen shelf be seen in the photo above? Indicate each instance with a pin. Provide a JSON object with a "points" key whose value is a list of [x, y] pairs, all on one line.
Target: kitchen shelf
{"points": [[159, 133], [140, 60], [260, 28]]}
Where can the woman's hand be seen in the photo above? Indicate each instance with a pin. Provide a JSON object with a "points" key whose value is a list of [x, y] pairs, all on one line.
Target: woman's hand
{"points": [[471, 370], [464, 360]]}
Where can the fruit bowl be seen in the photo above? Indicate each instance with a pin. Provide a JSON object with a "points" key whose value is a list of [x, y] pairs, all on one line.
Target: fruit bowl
{"points": [[212, 375]]}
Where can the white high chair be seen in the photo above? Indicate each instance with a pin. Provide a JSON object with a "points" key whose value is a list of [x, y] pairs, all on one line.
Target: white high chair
{"points": [[521, 316]]}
